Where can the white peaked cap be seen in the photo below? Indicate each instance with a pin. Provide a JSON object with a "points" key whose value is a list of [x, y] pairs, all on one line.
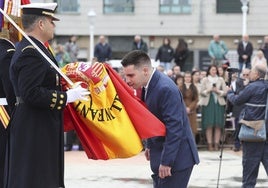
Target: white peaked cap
{"points": [[42, 9]]}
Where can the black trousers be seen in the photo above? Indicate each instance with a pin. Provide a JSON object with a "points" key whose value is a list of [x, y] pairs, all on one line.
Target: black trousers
{"points": [[254, 153], [3, 142]]}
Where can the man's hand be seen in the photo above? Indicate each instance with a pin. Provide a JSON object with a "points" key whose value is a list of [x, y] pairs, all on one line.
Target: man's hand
{"points": [[147, 154], [164, 171], [77, 93], [245, 82], [229, 88], [245, 57], [188, 110]]}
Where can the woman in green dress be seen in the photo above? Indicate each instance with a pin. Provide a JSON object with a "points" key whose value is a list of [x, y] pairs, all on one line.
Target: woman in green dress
{"points": [[213, 90]]}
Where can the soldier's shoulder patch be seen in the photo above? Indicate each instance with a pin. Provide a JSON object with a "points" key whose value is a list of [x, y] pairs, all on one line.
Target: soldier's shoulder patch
{"points": [[28, 47]]}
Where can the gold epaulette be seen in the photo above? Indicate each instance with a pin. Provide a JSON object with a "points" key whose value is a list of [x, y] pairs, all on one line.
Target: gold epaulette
{"points": [[27, 47]]}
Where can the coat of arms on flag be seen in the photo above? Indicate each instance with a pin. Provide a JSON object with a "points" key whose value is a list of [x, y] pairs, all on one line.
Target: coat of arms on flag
{"points": [[112, 123]]}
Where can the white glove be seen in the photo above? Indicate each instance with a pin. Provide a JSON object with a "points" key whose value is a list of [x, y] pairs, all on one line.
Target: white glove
{"points": [[77, 93]]}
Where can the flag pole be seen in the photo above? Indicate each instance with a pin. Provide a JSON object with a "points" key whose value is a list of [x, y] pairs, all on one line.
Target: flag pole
{"points": [[38, 49]]}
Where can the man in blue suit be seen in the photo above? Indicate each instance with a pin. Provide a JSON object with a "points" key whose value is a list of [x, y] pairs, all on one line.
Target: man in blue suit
{"points": [[171, 157]]}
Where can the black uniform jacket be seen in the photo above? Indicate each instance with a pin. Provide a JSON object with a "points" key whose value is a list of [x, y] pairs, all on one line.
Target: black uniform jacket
{"points": [[7, 50], [36, 155]]}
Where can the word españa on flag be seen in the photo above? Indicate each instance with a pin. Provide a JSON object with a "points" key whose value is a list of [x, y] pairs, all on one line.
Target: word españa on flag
{"points": [[102, 114]]}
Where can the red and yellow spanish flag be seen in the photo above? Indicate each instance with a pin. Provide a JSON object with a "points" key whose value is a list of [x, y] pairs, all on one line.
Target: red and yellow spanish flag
{"points": [[12, 8], [112, 122]]}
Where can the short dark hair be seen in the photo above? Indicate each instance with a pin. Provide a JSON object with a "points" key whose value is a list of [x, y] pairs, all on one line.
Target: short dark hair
{"points": [[29, 20], [136, 58]]}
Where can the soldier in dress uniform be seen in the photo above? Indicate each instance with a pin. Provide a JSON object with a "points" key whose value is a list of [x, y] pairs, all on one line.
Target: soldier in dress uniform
{"points": [[36, 156], [7, 96]]}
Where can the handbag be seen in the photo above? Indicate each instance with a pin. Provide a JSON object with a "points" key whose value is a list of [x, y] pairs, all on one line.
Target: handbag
{"points": [[253, 131]]}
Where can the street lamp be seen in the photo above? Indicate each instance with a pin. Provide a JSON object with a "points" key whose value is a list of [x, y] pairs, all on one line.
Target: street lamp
{"points": [[91, 15], [244, 9]]}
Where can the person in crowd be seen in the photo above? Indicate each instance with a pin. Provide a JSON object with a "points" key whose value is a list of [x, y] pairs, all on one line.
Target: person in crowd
{"points": [[181, 53], [264, 47], [161, 68], [213, 90], [179, 81], [35, 149], [62, 57], [197, 83], [165, 54], [223, 73], [7, 97], [259, 59], [103, 50], [244, 50], [176, 70], [196, 80], [253, 97], [190, 97], [217, 50], [203, 74], [139, 44], [121, 73], [170, 74], [237, 86], [72, 48], [172, 157]]}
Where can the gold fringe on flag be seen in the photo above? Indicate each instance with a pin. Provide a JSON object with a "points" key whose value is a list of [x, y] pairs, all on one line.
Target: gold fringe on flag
{"points": [[4, 117]]}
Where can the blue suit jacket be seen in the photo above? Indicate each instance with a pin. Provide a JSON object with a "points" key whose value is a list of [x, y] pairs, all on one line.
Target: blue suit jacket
{"points": [[177, 149]]}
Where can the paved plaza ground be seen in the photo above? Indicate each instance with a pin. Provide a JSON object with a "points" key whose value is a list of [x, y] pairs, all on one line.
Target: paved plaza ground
{"points": [[134, 172]]}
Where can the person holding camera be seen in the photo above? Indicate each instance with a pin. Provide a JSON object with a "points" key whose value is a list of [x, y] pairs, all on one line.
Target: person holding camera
{"points": [[253, 97], [212, 102]]}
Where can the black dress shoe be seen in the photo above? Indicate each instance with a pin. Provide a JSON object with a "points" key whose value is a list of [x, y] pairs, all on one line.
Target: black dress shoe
{"points": [[236, 149], [67, 148]]}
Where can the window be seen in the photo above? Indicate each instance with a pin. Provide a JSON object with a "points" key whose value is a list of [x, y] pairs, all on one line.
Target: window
{"points": [[68, 6], [229, 6], [175, 7], [118, 6]]}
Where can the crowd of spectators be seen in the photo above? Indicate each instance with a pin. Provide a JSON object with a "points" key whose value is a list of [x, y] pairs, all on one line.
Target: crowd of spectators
{"points": [[204, 91], [211, 85]]}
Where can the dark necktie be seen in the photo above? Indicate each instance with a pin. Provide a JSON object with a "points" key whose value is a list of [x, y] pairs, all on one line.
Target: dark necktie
{"points": [[143, 94]]}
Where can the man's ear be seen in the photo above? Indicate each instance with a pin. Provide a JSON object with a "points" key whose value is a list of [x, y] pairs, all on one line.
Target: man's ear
{"points": [[41, 24], [145, 69]]}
